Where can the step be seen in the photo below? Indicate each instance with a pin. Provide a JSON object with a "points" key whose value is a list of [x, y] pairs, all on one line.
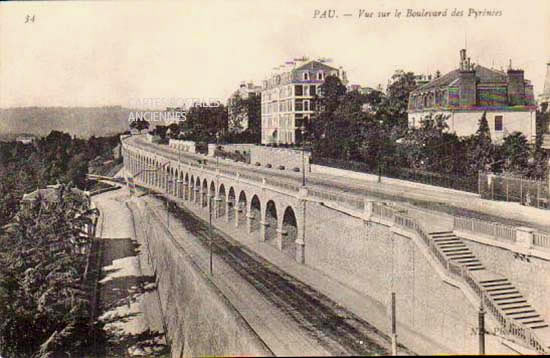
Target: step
{"points": [[520, 312], [456, 250], [476, 268], [442, 233], [461, 252], [471, 266], [459, 256], [513, 302], [496, 284], [511, 291], [494, 280], [450, 244], [502, 298], [466, 260], [509, 308], [446, 239], [537, 325], [529, 318], [496, 289], [450, 241]]}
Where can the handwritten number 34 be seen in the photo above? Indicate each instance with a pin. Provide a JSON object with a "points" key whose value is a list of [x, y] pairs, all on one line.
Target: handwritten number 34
{"points": [[29, 19]]}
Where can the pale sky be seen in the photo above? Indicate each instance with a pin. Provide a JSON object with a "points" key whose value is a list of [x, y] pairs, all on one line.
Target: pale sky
{"points": [[116, 53]]}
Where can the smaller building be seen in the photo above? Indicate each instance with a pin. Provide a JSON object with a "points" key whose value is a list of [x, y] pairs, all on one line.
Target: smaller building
{"points": [[25, 139], [237, 118], [464, 94]]}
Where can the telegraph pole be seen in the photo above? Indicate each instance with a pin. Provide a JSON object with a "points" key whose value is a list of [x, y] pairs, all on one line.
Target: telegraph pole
{"points": [[481, 328], [393, 326]]}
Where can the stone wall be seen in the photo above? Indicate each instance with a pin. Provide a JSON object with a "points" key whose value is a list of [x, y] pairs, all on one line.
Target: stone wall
{"points": [[531, 275], [289, 158], [375, 261], [199, 319]]}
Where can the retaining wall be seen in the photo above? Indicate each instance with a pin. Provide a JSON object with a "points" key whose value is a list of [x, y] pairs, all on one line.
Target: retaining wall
{"points": [[375, 261], [200, 321]]}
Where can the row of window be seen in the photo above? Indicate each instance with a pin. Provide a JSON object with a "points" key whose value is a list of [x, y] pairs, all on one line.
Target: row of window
{"points": [[289, 91], [285, 121], [297, 105], [498, 121]]}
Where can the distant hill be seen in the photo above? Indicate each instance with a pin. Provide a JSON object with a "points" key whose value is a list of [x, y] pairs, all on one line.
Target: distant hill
{"points": [[80, 121]]}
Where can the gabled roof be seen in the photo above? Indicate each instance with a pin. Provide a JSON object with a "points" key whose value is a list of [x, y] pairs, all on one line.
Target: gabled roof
{"points": [[483, 75], [314, 65]]}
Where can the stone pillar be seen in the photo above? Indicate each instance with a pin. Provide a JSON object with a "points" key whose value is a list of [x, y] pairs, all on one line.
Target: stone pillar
{"points": [[216, 209], [236, 219], [227, 211], [263, 230], [198, 196], [185, 195], [524, 237], [300, 246], [249, 218], [280, 236]]}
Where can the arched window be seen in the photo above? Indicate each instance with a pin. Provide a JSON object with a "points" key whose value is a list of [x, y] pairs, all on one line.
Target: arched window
{"points": [[320, 75], [306, 76]]}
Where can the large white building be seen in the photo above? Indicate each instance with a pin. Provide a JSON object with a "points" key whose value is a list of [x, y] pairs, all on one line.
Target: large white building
{"points": [[287, 95], [463, 95]]}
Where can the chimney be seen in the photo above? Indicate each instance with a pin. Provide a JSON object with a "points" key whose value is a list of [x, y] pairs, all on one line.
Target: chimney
{"points": [[516, 87], [467, 85], [462, 59]]}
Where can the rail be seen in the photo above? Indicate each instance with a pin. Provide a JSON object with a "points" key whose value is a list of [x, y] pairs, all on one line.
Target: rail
{"points": [[497, 231], [541, 240], [524, 334]]}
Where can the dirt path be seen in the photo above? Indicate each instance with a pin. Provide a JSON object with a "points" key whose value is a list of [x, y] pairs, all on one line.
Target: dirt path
{"points": [[128, 302]]}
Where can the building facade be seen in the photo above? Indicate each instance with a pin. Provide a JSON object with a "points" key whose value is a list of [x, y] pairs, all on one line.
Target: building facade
{"points": [[463, 95], [237, 119], [544, 98], [287, 98]]}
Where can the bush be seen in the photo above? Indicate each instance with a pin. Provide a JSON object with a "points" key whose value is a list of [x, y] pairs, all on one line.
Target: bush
{"points": [[268, 165], [295, 169], [281, 167], [257, 164]]}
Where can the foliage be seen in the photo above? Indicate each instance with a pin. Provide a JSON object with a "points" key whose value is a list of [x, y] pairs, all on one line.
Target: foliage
{"points": [[515, 150], [202, 124], [43, 300], [139, 124]]}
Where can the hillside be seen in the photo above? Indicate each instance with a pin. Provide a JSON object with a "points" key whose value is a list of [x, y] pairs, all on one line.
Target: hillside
{"points": [[80, 121]]}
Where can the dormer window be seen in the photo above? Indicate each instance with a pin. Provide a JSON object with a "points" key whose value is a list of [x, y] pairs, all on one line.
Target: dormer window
{"points": [[306, 76], [320, 76]]}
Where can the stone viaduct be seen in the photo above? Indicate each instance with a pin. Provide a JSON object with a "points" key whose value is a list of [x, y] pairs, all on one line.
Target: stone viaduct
{"points": [[371, 247], [275, 210]]}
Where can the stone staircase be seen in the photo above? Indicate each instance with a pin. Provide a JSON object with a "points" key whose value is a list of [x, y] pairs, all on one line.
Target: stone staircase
{"points": [[502, 292], [455, 250]]}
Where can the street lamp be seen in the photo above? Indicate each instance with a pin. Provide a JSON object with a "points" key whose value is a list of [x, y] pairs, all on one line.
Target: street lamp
{"points": [[303, 129]]}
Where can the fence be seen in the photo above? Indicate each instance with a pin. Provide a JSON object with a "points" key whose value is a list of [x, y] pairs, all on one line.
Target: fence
{"points": [[507, 188], [497, 231], [463, 183], [515, 330]]}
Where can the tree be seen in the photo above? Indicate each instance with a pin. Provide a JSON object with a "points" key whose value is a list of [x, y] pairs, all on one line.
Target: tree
{"points": [[481, 150], [395, 105], [325, 103], [515, 151], [139, 124]]}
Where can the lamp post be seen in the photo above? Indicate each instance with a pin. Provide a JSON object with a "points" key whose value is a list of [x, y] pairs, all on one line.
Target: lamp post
{"points": [[303, 129], [379, 156]]}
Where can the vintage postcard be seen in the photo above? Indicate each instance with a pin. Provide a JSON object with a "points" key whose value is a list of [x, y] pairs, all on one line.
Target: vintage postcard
{"points": [[274, 178]]}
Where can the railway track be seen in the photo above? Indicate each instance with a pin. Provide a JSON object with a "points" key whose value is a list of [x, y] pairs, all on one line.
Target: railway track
{"points": [[335, 328]]}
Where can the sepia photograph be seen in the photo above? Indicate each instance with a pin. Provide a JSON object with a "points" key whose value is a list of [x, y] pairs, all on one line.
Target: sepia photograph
{"points": [[257, 178]]}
